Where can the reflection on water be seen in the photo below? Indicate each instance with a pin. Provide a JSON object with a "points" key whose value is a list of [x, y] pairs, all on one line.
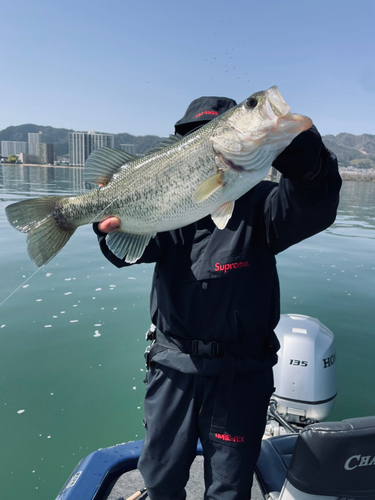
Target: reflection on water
{"points": [[356, 208], [72, 336], [37, 181]]}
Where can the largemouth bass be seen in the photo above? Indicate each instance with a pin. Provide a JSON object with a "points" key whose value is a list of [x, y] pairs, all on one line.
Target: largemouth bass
{"points": [[181, 182]]}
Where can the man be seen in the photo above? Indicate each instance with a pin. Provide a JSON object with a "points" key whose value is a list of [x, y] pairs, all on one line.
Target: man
{"points": [[215, 302]]}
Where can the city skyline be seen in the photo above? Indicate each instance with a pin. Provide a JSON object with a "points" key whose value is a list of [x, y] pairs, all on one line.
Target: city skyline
{"points": [[136, 66], [33, 150], [82, 144]]}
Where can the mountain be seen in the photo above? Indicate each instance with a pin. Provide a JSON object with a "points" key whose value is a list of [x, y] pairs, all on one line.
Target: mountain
{"points": [[351, 150]]}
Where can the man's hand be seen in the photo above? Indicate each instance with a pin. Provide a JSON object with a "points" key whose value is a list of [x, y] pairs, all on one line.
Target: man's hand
{"points": [[108, 225], [301, 159]]}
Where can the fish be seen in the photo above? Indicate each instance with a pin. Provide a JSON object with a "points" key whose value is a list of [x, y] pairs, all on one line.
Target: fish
{"points": [[178, 183]]}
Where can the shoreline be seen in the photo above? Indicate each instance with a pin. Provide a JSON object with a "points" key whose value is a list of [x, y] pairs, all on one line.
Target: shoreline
{"points": [[347, 174], [40, 165], [355, 175]]}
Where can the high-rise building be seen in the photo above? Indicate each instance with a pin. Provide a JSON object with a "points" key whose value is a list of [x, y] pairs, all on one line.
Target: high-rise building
{"points": [[100, 140], [77, 148], [82, 144], [45, 153], [128, 148], [34, 140], [13, 147]]}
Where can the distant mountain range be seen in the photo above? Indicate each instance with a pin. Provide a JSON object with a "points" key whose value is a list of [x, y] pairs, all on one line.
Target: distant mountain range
{"points": [[59, 137], [351, 150]]}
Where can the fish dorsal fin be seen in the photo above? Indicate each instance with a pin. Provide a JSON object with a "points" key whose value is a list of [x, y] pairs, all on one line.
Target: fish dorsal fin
{"points": [[208, 187], [103, 163], [222, 215], [165, 142], [128, 246]]}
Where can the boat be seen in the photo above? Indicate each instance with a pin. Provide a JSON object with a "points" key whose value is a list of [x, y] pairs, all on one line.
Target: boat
{"points": [[303, 456]]}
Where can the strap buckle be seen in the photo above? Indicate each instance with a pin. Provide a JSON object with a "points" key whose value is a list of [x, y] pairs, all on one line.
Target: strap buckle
{"points": [[201, 348]]}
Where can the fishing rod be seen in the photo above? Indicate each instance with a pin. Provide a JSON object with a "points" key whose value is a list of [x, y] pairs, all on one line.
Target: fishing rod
{"points": [[135, 495]]}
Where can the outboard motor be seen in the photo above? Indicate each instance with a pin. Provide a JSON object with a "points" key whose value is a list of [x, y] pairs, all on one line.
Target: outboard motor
{"points": [[305, 376]]}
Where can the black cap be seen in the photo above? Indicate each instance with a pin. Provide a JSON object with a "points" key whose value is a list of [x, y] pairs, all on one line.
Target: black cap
{"points": [[201, 111]]}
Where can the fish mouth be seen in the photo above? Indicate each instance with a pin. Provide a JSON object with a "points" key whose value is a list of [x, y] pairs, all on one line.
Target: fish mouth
{"points": [[274, 104], [277, 110]]}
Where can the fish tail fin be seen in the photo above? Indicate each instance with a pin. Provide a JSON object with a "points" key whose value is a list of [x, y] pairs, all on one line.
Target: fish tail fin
{"points": [[46, 228]]}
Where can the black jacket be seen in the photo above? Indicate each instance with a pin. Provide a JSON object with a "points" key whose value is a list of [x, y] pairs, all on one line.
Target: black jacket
{"points": [[222, 285]]}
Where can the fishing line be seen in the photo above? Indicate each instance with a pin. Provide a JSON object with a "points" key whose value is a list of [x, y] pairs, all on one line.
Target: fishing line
{"points": [[21, 285], [40, 268]]}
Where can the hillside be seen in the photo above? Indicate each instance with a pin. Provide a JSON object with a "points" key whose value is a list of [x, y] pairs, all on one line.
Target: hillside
{"points": [[352, 150], [357, 151]]}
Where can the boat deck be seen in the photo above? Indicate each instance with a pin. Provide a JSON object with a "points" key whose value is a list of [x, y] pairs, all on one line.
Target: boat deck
{"points": [[130, 482]]}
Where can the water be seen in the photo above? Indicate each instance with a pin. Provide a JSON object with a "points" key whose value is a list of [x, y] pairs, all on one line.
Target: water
{"points": [[72, 335]]}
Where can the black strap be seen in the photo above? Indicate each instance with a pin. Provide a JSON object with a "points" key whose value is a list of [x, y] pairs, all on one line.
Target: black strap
{"points": [[190, 346], [224, 392], [154, 349], [211, 349]]}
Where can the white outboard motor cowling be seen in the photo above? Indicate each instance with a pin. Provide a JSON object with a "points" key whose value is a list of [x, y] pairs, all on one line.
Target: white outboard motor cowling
{"points": [[305, 376]]}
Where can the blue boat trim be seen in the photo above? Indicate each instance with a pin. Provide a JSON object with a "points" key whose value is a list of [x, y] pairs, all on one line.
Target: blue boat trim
{"points": [[92, 476], [94, 473]]}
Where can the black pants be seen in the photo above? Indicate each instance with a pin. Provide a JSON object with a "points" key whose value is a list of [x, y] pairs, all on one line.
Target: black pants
{"points": [[178, 411]]}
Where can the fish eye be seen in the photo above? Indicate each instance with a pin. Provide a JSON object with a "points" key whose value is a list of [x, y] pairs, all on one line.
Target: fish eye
{"points": [[251, 102]]}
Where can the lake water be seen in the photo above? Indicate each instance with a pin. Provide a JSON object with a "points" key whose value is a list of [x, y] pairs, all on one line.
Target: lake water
{"points": [[72, 333]]}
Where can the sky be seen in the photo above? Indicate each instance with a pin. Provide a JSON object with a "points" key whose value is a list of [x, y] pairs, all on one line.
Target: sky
{"points": [[134, 65]]}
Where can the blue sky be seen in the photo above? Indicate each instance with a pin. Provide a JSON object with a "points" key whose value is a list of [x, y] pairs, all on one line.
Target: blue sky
{"points": [[134, 66]]}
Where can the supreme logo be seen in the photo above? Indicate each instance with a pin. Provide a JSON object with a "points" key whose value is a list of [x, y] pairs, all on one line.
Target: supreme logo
{"points": [[206, 113], [228, 437], [233, 265]]}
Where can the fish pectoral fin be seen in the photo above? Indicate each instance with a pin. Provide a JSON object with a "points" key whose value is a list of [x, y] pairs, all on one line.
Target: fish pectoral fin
{"points": [[222, 215], [103, 163], [208, 187], [128, 246]]}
